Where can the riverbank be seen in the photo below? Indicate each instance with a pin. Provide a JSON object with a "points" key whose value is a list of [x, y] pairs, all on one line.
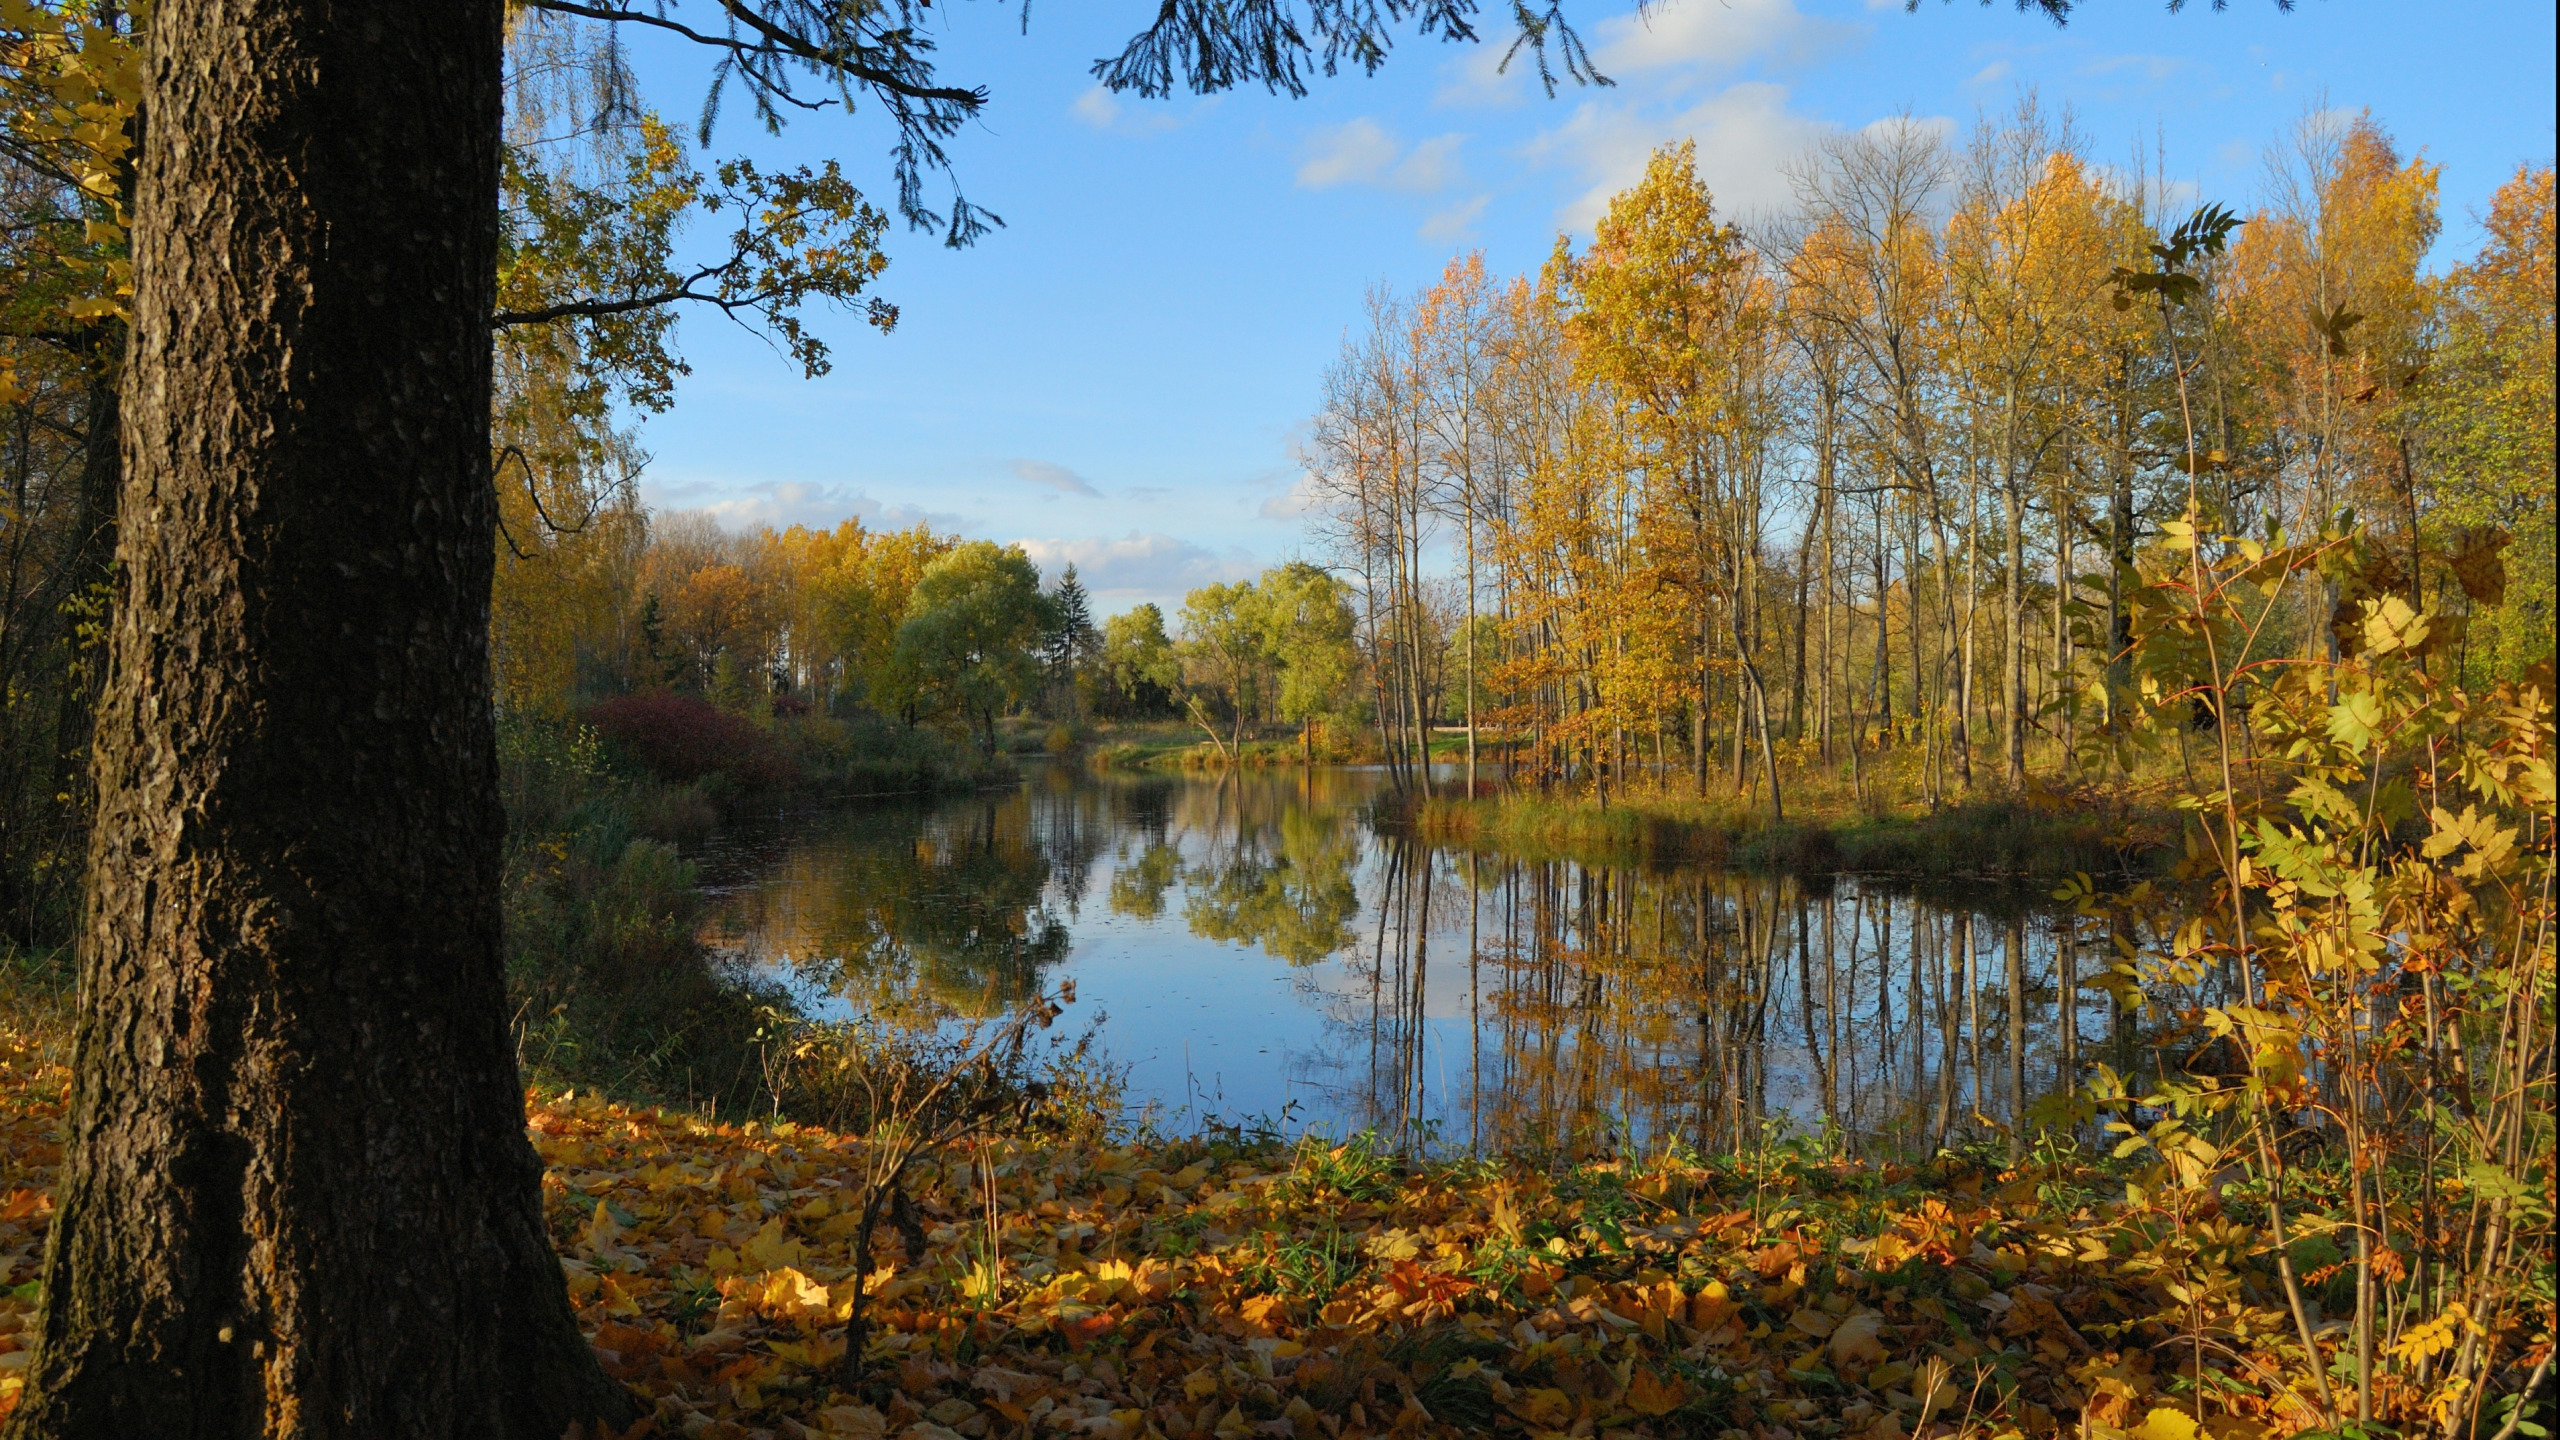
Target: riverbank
{"points": [[2042, 834], [608, 981], [1171, 748], [1227, 1289]]}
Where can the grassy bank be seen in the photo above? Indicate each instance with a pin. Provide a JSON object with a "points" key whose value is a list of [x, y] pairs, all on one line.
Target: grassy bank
{"points": [[609, 983], [1224, 1290], [2036, 835], [1181, 747]]}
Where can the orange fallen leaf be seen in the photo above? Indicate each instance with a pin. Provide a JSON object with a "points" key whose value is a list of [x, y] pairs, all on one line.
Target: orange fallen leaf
{"points": [[1649, 1395]]}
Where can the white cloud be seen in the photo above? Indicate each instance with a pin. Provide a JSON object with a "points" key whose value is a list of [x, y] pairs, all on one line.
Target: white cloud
{"points": [[1355, 152], [1745, 134], [1454, 222], [1991, 74], [1432, 165], [1096, 107], [1136, 565], [1103, 110], [1476, 77], [784, 503], [2154, 68], [1718, 33], [1361, 152], [1928, 127], [1297, 501], [1054, 477]]}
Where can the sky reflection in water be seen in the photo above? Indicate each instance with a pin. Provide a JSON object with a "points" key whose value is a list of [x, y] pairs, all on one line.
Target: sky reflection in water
{"points": [[1254, 948]]}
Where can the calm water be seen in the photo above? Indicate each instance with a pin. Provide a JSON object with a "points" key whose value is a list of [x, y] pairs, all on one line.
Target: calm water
{"points": [[1251, 948]]}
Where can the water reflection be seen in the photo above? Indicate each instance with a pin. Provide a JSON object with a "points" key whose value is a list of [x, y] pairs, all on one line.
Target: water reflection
{"points": [[953, 902], [1258, 948]]}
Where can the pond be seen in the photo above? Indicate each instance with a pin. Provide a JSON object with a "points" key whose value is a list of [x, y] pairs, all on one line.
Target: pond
{"points": [[1252, 949]]}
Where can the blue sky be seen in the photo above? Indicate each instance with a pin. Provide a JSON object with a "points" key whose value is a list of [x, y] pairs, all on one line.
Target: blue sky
{"points": [[1119, 377]]}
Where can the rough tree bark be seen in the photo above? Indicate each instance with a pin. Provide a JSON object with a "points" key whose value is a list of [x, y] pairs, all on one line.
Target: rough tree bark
{"points": [[298, 1199]]}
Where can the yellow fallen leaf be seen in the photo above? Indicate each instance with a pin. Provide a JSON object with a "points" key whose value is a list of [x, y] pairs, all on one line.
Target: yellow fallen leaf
{"points": [[1392, 1245], [788, 1292], [1813, 1322], [771, 1249], [2164, 1423], [601, 1232], [1108, 1281]]}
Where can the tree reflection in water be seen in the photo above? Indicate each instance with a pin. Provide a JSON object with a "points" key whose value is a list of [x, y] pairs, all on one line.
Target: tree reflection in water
{"points": [[1466, 1000], [890, 905]]}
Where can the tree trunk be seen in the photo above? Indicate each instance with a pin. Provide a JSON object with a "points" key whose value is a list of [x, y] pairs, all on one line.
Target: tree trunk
{"points": [[2014, 605], [298, 1199], [88, 573]]}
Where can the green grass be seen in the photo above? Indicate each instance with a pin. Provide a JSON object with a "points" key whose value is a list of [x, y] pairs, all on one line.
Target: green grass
{"points": [[1987, 835]]}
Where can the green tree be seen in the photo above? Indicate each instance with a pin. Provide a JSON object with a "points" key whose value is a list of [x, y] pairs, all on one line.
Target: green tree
{"points": [[2490, 428], [1139, 664], [972, 634], [1308, 633], [1225, 654], [1072, 645], [1297, 901]]}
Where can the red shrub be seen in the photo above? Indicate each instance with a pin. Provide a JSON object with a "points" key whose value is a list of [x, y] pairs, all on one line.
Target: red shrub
{"points": [[683, 738]]}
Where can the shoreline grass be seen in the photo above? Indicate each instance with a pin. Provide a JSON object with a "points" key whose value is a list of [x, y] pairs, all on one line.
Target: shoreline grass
{"points": [[1988, 835]]}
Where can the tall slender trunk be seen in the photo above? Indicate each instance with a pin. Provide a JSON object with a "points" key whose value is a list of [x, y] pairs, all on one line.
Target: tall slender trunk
{"points": [[2015, 596], [1880, 682], [1960, 735], [1467, 519], [1830, 597], [298, 1200], [2065, 521], [2120, 571], [1804, 614], [2015, 944]]}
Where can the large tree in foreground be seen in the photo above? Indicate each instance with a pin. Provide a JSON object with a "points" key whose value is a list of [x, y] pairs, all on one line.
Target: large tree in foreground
{"points": [[298, 1198]]}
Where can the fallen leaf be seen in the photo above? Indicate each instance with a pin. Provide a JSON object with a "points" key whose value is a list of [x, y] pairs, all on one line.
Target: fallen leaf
{"points": [[2164, 1423], [1859, 1340], [1648, 1395]]}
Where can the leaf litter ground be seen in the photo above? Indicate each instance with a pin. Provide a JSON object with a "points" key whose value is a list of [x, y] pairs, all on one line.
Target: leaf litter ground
{"points": [[1316, 1290]]}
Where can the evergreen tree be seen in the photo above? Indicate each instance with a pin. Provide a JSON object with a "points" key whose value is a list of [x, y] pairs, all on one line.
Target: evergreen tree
{"points": [[1071, 648]]}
